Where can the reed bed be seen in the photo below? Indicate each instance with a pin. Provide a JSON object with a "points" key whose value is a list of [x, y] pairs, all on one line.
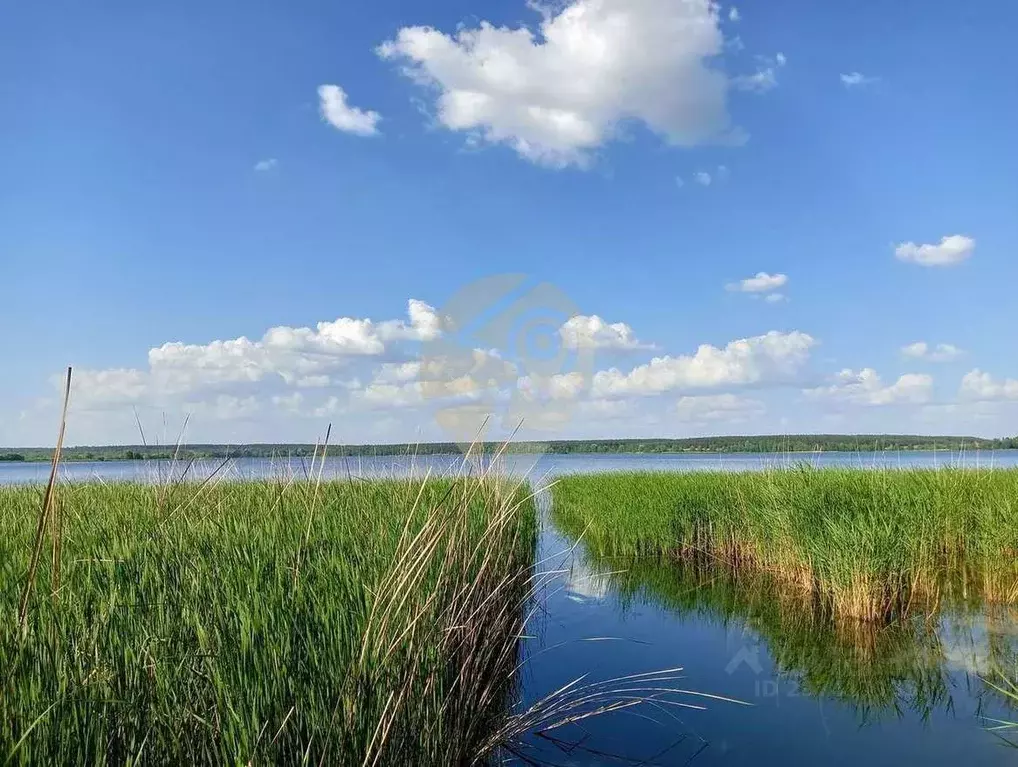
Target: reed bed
{"points": [[868, 544], [368, 623]]}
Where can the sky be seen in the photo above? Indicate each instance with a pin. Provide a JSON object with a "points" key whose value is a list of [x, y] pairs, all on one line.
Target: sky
{"points": [[594, 218]]}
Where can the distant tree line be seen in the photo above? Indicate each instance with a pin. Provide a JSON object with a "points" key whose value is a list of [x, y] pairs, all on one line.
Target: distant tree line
{"points": [[789, 443]]}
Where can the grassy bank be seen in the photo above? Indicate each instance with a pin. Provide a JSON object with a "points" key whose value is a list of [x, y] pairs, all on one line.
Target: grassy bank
{"points": [[273, 622], [869, 544]]}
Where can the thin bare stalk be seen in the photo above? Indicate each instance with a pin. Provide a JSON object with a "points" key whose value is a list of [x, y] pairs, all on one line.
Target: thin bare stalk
{"points": [[44, 512]]}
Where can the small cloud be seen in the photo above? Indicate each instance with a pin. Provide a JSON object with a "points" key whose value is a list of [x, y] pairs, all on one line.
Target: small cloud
{"points": [[762, 282], [703, 178], [766, 76], [857, 79], [340, 115], [592, 332], [938, 353], [980, 386], [776, 298], [865, 387], [723, 173], [679, 182], [733, 14], [266, 165], [916, 350], [952, 250], [760, 81]]}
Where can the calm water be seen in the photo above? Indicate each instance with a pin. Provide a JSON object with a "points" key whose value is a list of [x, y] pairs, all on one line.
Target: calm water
{"points": [[533, 465], [906, 694]]}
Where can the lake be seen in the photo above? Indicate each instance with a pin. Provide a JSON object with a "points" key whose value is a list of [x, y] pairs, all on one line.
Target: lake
{"points": [[820, 693]]}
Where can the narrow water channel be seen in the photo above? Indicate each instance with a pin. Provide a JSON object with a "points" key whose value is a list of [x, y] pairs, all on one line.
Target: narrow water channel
{"points": [[818, 692]]}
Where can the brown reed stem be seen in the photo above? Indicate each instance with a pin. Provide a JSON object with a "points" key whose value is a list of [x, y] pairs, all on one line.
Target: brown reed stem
{"points": [[44, 513]]}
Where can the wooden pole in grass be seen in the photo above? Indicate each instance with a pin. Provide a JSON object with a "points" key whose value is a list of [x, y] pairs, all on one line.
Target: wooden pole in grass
{"points": [[44, 513]]}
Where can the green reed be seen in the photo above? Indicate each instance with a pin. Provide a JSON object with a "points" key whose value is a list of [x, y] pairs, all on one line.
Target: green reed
{"points": [[270, 622], [870, 543]]}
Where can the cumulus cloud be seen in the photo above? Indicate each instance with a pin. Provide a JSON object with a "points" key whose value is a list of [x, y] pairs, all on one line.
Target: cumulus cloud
{"points": [[265, 165], [772, 357], [336, 110], [733, 14], [952, 250], [865, 387], [718, 407], [558, 387], [466, 376], [857, 79], [982, 387], [703, 178], [99, 388], [298, 356], [558, 93], [583, 332], [938, 353], [762, 282]]}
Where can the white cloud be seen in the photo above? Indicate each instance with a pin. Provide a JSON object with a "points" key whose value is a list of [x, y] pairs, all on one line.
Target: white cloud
{"points": [[865, 387], [265, 165], [762, 282], [398, 372], [733, 14], [332, 102], [776, 298], [95, 389], [979, 386], [558, 93], [561, 386], [938, 353], [703, 178], [857, 79], [765, 78], [583, 332], [953, 249], [771, 357], [298, 356], [461, 376], [718, 407]]}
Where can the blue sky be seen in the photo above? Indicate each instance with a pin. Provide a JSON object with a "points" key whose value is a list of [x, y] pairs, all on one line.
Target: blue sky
{"points": [[177, 174]]}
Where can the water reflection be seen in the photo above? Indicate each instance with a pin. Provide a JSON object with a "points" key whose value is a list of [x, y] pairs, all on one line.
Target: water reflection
{"points": [[912, 664]]}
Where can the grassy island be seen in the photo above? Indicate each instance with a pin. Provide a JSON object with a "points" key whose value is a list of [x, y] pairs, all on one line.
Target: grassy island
{"points": [[868, 544]]}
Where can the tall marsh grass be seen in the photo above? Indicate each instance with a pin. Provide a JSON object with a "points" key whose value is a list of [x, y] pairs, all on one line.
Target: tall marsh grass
{"points": [[369, 623], [869, 544]]}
